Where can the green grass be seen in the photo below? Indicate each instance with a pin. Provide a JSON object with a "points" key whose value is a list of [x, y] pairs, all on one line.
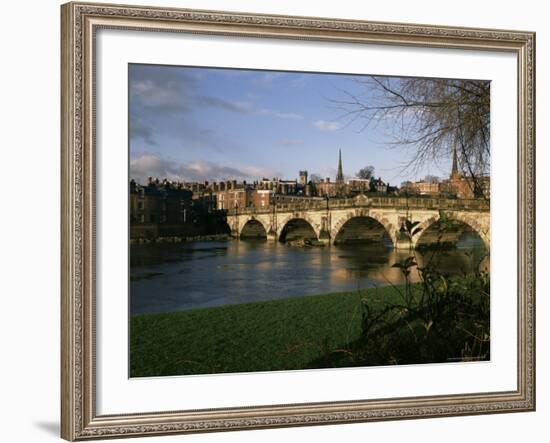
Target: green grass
{"points": [[293, 333]]}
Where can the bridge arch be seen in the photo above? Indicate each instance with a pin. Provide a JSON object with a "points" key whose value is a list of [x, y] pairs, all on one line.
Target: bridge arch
{"points": [[251, 226], [295, 228], [283, 219], [470, 221], [386, 228], [253, 229]]}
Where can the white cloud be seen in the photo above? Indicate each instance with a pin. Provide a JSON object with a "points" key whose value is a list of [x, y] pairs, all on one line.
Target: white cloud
{"points": [[326, 126], [151, 165], [220, 103], [282, 115], [138, 129], [160, 90]]}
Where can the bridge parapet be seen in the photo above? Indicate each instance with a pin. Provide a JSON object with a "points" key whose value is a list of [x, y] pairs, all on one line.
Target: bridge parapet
{"points": [[390, 202]]}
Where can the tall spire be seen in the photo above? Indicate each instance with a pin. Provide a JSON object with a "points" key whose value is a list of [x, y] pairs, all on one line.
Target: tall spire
{"points": [[340, 174], [454, 169]]}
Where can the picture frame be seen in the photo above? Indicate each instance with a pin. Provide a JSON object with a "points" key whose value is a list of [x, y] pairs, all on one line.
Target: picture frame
{"points": [[81, 22]]}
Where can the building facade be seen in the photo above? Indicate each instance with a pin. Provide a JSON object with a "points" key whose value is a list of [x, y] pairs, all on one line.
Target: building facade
{"points": [[458, 185], [168, 209]]}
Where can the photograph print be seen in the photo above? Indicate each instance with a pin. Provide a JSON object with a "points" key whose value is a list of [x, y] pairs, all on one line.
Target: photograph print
{"points": [[304, 220]]}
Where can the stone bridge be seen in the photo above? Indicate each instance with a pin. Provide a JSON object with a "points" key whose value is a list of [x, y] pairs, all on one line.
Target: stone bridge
{"points": [[363, 219]]}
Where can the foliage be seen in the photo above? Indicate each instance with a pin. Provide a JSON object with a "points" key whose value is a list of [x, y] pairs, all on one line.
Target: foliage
{"points": [[315, 178], [365, 173], [441, 319], [432, 179]]}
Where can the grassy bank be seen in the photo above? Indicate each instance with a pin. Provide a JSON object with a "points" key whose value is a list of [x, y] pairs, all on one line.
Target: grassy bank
{"points": [[294, 333], [437, 320]]}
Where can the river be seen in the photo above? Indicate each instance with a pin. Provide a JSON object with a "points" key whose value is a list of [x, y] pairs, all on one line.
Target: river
{"points": [[170, 277]]}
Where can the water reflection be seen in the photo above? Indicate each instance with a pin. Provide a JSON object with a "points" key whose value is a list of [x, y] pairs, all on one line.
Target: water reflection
{"points": [[168, 277]]}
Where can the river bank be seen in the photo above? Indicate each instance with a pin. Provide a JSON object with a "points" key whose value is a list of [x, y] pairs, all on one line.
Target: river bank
{"points": [[441, 320], [301, 243], [179, 239], [260, 336]]}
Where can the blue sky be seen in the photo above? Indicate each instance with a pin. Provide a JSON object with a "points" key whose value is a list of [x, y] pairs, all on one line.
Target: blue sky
{"points": [[192, 123]]}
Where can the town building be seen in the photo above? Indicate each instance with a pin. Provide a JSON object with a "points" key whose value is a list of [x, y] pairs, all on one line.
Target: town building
{"points": [[234, 197], [378, 186], [303, 178], [167, 209], [260, 194], [158, 202], [463, 186], [458, 185], [261, 198], [358, 185], [174, 208], [327, 188], [422, 187]]}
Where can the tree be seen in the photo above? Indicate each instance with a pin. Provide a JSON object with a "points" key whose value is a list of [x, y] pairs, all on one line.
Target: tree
{"points": [[434, 117], [432, 179], [365, 173], [315, 178]]}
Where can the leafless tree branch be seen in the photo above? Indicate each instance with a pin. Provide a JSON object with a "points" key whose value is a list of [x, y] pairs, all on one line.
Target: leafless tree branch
{"points": [[433, 116]]}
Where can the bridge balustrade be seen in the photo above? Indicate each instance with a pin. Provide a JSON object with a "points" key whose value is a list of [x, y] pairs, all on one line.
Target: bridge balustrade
{"points": [[375, 202]]}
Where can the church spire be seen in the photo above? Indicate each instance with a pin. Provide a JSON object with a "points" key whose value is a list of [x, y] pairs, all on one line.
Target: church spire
{"points": [[340, 174], [454, 170]]}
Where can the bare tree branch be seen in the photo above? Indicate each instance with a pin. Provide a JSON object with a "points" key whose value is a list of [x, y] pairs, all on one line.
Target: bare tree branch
{"points": [[434, 117]]}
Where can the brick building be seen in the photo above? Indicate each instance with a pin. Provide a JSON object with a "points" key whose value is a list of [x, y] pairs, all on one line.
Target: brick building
{"points": [[167, 209], [457, 185], [261, 198]]}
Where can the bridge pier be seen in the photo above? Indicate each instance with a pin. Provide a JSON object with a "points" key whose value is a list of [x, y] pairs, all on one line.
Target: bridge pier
{"points": [[403, 244], [324, 237]]}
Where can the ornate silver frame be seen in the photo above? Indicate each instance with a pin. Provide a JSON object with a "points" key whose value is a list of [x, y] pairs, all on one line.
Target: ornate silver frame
{"points": [[80, 21]]}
